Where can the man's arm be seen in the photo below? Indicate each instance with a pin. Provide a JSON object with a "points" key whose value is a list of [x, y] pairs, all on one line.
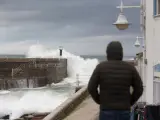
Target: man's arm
{"points": [[137, 87], [93, 85]]}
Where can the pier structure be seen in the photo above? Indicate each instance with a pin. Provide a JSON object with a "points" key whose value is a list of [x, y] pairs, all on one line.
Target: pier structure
{"points": [[31, 72]]}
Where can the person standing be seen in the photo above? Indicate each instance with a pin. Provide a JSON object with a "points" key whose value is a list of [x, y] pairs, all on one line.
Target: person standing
{"points": [[114, 77]]}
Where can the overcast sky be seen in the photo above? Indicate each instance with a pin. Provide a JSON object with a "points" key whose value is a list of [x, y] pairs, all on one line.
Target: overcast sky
{"points": [[81, 26]]}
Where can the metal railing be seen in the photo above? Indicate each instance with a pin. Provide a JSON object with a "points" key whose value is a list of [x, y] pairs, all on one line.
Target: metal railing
{"points": [[81, 77]]}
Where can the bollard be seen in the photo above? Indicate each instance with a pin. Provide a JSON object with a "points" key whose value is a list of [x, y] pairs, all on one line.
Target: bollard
{"points": [[60, 50]]}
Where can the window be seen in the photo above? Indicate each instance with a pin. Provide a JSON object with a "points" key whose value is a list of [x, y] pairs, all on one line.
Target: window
{"points": [[156, 7]]}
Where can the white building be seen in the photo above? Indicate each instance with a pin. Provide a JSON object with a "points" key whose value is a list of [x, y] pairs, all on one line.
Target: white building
{"points": [[150, 24], [139, 63], [152, 39]]}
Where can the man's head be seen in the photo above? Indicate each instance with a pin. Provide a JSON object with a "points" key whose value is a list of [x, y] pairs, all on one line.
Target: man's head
{"points": [[114, 51]]}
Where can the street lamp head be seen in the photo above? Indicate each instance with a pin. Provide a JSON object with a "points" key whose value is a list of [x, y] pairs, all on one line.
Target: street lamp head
{"points": [[122, 22], [137, 43]]}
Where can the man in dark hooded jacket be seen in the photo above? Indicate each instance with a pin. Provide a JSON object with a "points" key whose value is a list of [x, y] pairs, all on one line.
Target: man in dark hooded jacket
{"points": [[114, 77]]}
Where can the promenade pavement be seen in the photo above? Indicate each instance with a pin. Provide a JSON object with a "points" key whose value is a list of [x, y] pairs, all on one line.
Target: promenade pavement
{"points": [[87, 110]]}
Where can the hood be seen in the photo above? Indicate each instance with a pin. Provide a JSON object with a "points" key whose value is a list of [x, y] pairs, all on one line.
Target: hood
{"points": [[114, 51]]}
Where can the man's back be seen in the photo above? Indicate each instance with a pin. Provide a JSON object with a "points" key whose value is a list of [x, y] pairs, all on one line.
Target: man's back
{"points": [[116, 78]]}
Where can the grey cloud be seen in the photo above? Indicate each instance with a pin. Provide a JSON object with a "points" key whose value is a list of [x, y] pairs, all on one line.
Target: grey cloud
{"points": [[64, 21]]}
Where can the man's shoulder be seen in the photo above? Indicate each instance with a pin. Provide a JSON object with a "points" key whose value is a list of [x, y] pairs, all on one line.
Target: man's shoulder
{"points": [[103, 64], [122, 63], [129, 65]]}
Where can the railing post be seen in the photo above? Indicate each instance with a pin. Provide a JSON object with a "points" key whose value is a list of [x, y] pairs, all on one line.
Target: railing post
{"points": [[77, 80], [77, 83]]}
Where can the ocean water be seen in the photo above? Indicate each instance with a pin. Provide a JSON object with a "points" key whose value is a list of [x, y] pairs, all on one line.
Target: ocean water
{"points": [[12, 56]]}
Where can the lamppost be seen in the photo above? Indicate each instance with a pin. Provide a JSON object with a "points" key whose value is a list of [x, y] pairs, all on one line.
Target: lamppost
{"points": [[122, 24], [137, 45]]}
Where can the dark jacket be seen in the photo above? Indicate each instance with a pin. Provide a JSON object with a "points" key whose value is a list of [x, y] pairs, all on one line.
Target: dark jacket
{"points": [[115, 77]]}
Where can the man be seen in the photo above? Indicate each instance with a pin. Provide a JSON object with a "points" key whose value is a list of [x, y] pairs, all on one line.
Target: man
{"points": [[114, 78]]}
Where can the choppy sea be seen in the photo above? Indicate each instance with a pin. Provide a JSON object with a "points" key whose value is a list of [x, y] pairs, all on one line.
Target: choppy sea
{"points": [[99, 57]]}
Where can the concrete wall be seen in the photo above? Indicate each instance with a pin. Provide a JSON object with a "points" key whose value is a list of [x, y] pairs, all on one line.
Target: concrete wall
{"points": [[68, 106], [33, 72], [152, 46], [59, 72]]}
